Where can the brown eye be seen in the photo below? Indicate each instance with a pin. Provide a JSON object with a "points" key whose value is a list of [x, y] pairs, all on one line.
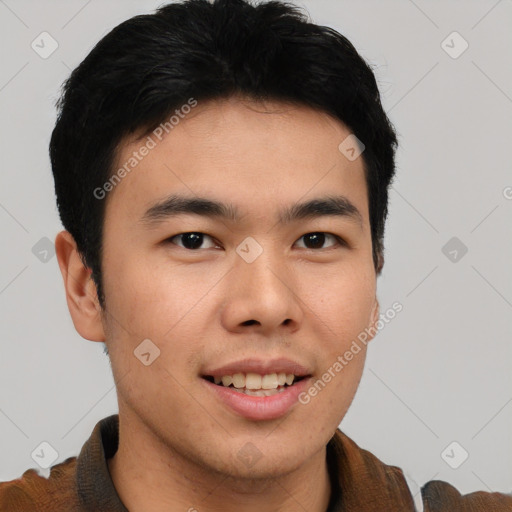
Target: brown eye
{"points": [[192, 240], [317, 240]]}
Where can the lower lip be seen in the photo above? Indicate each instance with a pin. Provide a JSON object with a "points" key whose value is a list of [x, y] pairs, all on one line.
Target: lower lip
{"points": [[259, 407]]}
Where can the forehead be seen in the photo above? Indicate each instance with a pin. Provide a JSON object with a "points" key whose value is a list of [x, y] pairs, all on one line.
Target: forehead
{"points": [[249, 152]]}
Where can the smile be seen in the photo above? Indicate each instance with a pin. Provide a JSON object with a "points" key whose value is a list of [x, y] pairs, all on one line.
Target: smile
{"points": [[253, 384], [257, 397]]}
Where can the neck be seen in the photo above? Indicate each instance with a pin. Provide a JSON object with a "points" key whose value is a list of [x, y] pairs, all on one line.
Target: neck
{"points": [[152, 477]]}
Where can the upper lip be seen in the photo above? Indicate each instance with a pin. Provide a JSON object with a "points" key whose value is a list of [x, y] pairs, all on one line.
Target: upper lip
{"points": [[261, 366]]}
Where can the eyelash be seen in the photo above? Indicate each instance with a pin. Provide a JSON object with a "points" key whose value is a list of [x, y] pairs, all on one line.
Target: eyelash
{"points": [[339, 241]]}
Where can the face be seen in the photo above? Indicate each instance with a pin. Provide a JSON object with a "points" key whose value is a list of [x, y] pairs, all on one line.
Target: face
{"points": [[257, 288]]}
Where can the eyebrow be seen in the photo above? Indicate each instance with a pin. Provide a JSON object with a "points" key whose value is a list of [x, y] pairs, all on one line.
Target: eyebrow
{"points": [[174, 205]]}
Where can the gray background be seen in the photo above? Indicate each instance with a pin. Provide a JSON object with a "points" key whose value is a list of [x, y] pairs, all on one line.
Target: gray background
{"points": [[439, 372]]}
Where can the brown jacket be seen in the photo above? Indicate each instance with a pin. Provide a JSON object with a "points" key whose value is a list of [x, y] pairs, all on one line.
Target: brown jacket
{"points": [[360, 483]]}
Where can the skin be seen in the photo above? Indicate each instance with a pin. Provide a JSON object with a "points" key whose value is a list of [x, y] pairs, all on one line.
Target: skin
{"points": [[178, 443]]}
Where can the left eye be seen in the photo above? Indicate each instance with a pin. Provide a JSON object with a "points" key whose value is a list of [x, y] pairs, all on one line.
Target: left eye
{"points": [[316, 240]]}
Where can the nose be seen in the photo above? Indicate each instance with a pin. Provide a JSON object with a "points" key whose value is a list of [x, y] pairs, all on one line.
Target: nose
{"points": [[262, 297]]}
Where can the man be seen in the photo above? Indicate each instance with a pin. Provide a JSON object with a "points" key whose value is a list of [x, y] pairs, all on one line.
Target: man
{"points": [[221, 171]]}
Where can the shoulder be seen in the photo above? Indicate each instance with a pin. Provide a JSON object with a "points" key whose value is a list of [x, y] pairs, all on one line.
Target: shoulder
{"points": [[363, 462], [367, 483], [439, 496], [32, 491], [362, 475]]}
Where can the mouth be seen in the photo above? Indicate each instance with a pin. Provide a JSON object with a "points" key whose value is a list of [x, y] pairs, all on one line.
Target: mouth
{"points": [[257, 389], [255, 384], [257, 397]]}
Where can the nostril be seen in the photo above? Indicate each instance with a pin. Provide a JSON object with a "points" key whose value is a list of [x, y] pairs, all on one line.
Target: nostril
{"points": [[249, 322]]}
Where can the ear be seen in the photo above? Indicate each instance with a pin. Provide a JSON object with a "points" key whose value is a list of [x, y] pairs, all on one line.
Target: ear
{"points": [[374, 318], [81, 293]]}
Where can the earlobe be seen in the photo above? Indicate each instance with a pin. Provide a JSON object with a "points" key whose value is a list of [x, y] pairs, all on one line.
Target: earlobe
{"points": [[81, 294]]}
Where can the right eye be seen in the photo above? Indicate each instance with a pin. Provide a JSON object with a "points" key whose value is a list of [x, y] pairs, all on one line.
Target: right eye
{"points": [[191, 240]]}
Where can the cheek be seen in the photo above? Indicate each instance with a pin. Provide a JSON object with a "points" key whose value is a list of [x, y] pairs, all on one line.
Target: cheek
{"points": [[150, 299], [170, 305], [342, 301]]}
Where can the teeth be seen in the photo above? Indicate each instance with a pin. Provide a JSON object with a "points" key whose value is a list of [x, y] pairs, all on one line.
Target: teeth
{"points": [[253, 381], [256, 382], [260, 392], [239, 380], [269, 381], [227, 380]]}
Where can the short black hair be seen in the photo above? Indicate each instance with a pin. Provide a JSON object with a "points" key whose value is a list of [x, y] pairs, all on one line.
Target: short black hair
{"points": [[150, 65]]}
